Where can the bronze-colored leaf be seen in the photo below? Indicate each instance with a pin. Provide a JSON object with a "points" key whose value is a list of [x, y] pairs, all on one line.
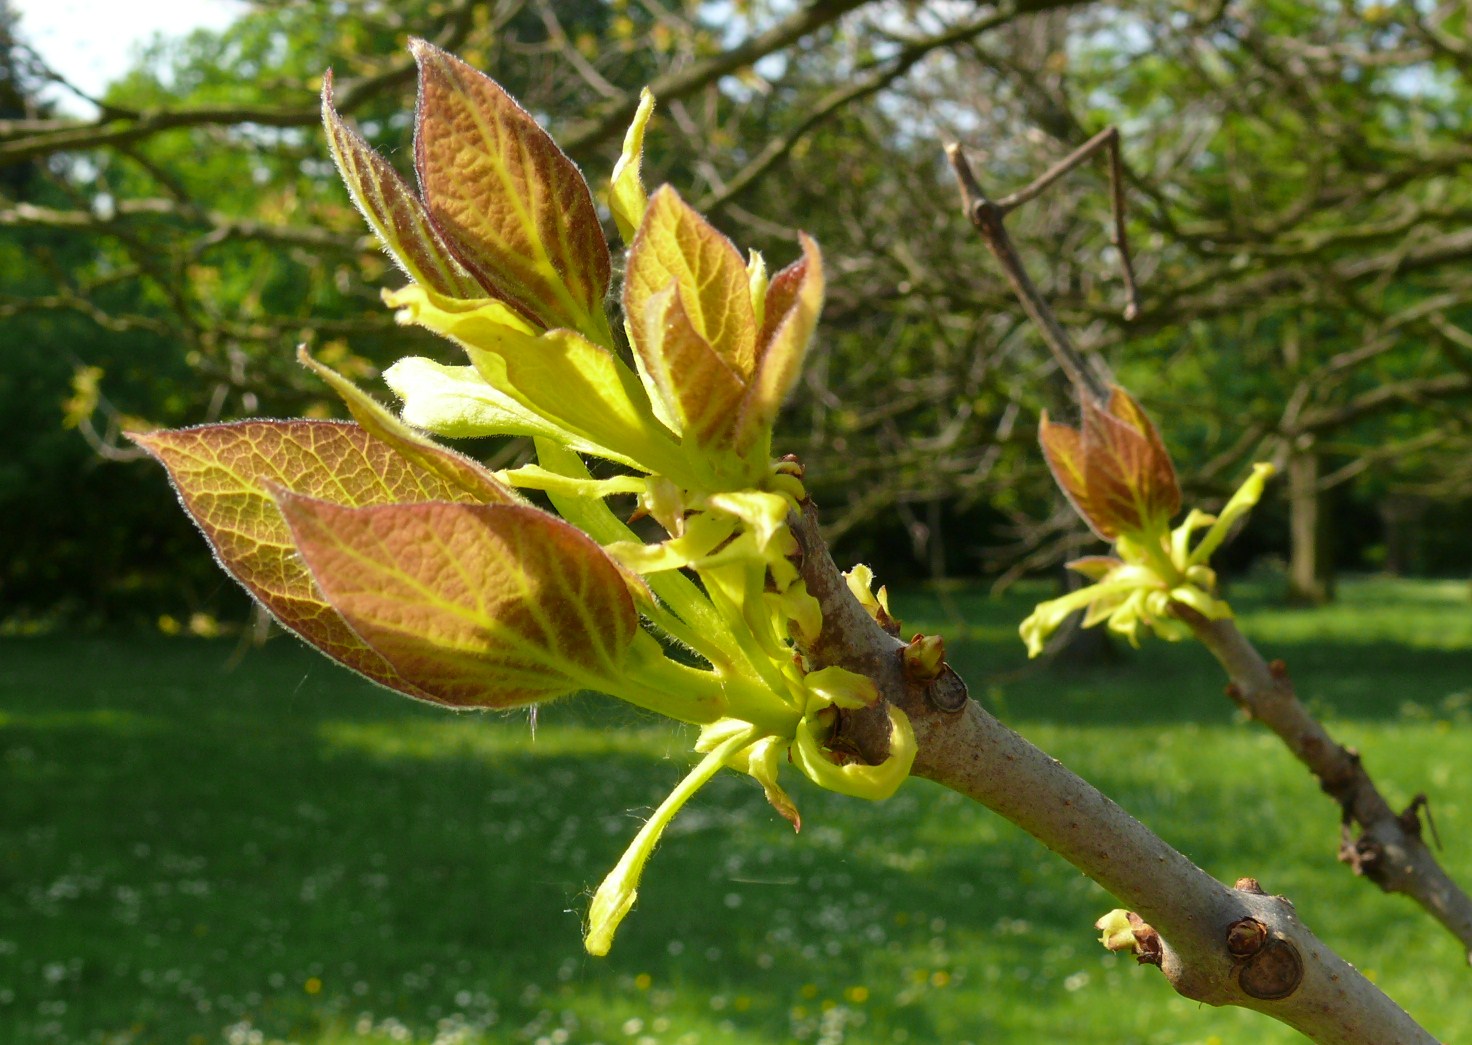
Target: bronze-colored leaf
{"points": [[1131, 482], [676, 246], [515, 207], [479, 605], [393, 210], [1124, 406], [223, 475], [699, 388], [1063, 449]]}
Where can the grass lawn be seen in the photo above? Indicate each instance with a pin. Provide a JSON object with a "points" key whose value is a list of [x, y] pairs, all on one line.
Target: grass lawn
{"points": [[281, 852]]}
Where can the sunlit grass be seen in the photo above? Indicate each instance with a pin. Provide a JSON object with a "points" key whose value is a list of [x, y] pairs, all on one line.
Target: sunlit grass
{"points": [[283, 853]]}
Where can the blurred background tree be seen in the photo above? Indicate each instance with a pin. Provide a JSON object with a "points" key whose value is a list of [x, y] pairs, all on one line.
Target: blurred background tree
{"points": [[1298, 207]]}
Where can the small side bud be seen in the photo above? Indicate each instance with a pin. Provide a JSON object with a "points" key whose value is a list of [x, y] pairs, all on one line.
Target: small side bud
{"points": [[1245, 937], [1126, 931], [1117, 934], [860, 581], [788, 464], [925, 658]]}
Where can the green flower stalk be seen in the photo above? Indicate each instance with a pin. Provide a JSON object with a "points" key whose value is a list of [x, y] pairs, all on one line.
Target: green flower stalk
{"points": [[616, 896], [1119, 477]]}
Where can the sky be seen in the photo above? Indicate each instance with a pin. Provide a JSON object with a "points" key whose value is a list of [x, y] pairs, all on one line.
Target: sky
{"points": [[92, 42]]}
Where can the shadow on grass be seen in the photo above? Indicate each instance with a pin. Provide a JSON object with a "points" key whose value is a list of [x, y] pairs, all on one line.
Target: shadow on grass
{"points": [[186, 852], [1388, 649], [285, 848]]}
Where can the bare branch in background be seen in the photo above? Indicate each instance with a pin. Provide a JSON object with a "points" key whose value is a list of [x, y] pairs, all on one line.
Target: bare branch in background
{"points": [[1389, 849]]}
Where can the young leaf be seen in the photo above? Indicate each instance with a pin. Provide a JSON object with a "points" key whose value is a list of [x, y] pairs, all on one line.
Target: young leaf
{"points": [[1132, 483], [481, 605], [470, 476], [393, 210], [698, 388], [580, 387], [1063, 449], [626, 196], [221, 474], [792, 302], [618, 891], [456, 402], [515, 207], [1114, 468], [1123, 406], [1236, 507], [675, 245]]}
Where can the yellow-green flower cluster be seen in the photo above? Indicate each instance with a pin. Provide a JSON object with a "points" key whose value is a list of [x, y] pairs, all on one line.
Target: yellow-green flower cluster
{"points": [[507, 259], [1116, 471]]}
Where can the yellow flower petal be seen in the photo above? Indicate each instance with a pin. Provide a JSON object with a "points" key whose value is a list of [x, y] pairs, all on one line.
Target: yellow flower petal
{"points": [[855, 778], [1241, 503], [626, 196], [615, 897]]}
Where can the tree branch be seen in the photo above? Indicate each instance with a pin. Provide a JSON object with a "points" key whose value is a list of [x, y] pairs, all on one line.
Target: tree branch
{"points": [[988, 218], [219, 227], [1389, 850], [610, 120], [1290, 975], [22, 140], [1389, 847]]}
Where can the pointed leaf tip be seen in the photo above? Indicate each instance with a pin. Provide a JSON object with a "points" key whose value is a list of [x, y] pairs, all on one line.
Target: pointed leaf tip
{"points": [[224, 475], [626, 196], [392, 210], [616, 895]]}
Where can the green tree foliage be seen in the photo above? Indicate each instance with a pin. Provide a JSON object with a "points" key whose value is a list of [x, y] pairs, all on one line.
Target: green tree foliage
{"points": [[1299, 206], [75, 526], [1295, 193], [209, 241]]}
